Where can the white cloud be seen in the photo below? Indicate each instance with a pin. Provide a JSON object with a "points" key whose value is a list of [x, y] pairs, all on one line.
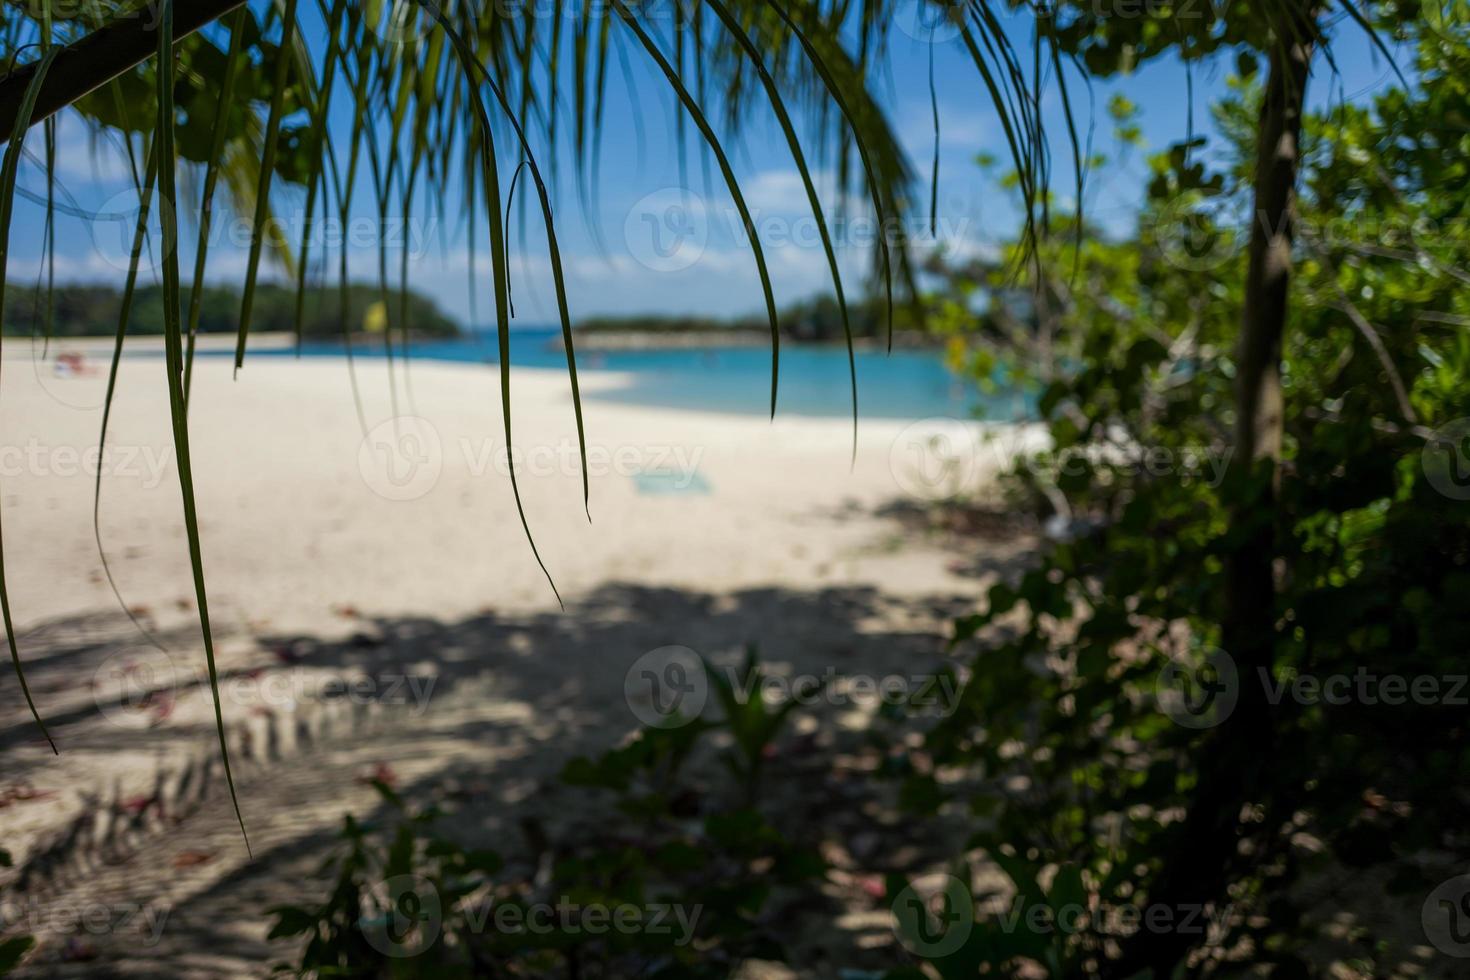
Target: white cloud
{"points": [[82, 154]]}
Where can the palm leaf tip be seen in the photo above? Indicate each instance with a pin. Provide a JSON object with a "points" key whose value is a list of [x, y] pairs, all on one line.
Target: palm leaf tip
{"points": [[470, 67], [713, 142]]}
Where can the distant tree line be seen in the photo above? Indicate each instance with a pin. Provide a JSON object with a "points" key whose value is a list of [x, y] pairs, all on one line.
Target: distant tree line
{"points": [[817, 319], [92, 310]]}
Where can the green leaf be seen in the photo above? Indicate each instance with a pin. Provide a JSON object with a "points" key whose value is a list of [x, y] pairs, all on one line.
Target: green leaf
{"points": [[211, 178], [557, 279], [13, 950], [267, 173], [174, 356], [291, 921], [125, 307], [778, 105], [8, 172], [710, 138], [490, 173]]}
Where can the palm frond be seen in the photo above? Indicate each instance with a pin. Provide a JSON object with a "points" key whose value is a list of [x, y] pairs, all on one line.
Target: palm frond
{"points": [[174, 356], [8, 172]]}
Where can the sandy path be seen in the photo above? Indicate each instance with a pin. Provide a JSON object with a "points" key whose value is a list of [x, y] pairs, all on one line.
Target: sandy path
{"points": [[709, 531]]}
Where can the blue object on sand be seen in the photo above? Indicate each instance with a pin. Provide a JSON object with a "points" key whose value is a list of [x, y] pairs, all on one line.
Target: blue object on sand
{"points": [[664, 482]]}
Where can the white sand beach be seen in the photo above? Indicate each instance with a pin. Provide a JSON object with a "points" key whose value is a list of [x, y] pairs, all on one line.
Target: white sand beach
{"points": [[295, 516], [327, 555]]}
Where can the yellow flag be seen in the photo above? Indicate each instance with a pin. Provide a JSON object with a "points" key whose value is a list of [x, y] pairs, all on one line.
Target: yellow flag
{"points": [[375, 318]]}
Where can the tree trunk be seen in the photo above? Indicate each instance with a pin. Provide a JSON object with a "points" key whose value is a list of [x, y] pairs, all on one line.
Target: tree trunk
{"points": [[1200, 861], [98, 58]]}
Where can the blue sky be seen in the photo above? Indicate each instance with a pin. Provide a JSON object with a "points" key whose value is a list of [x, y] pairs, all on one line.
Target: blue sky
{"points": [[639, 196]]}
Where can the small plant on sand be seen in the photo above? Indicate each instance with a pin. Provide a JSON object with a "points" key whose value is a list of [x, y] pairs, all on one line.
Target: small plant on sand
{"points": [[752, 723], [643, 773], [384, 914], [671, 891]]}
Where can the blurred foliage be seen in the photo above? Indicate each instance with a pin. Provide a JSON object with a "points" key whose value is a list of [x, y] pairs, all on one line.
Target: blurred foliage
{"points": [[1082, 766]]}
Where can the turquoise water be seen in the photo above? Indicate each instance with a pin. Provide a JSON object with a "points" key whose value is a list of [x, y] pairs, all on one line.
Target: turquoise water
{"points": [[908, 384]]}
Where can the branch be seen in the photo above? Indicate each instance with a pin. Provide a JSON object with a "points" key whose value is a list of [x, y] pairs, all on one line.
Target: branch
{"points": [[101, 56], [1345, 305]]}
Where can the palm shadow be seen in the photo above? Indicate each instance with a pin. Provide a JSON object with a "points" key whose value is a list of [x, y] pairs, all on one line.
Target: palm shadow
{"points": [[501, 703]]}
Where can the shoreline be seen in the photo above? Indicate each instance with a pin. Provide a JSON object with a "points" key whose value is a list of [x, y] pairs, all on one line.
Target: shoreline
{"points": [[638, 340], [216, 342], [153, 343], [593, 341]]}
